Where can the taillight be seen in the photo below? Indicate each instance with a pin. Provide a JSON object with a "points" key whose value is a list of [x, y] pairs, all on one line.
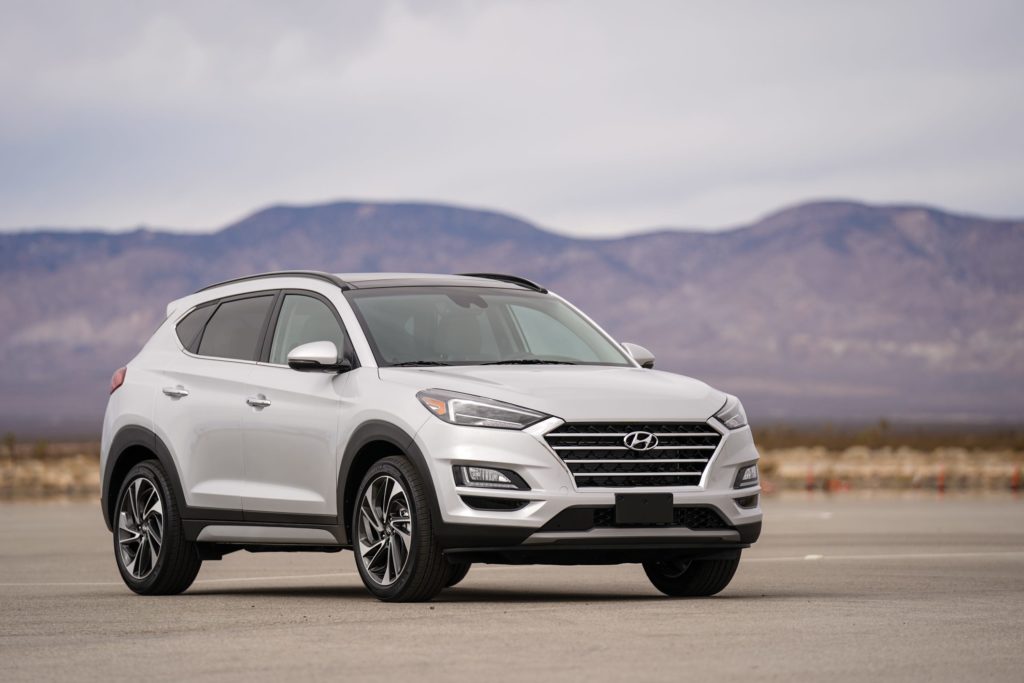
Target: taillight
{"points": [[118, 379]]}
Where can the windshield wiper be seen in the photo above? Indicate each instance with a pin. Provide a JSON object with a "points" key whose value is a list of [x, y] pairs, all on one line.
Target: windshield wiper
{"points": [[417, 363], [529, 361]]}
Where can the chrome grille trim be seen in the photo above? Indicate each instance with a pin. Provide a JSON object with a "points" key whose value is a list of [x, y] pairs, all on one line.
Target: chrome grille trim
{"points": [[596, 456]]}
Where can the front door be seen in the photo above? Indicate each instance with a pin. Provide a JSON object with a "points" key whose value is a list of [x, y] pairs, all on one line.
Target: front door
{"points": [[291, 433]]}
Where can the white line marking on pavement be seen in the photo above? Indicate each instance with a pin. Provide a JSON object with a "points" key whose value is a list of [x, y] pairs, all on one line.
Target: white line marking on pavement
{"points": [[891, 556], [801, 558]]}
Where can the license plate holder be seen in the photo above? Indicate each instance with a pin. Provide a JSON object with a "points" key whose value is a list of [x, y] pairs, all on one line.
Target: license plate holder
{"points": [[643, 508]]}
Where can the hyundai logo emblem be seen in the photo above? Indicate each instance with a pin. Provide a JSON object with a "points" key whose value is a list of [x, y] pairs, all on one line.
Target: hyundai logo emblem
{"points": [[640, 441]]}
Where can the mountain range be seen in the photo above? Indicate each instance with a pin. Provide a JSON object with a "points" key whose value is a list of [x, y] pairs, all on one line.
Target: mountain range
{"points": [[832, 310]]}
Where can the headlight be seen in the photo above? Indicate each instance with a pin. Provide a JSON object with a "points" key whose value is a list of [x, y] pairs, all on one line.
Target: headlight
{"points": [[732, 414], [474, 411], [746, 476]]}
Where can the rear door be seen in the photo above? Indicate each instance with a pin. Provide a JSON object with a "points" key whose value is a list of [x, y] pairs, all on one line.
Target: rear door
{"points": [[292, 438], [202, 404]]}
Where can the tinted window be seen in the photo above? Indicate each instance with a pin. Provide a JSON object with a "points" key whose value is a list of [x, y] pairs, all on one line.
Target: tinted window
{"points": [[191, 326], [234, 330], [304, 319]]}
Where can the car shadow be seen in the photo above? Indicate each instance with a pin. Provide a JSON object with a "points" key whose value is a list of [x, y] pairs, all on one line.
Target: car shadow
{"points": [[463, 594]]}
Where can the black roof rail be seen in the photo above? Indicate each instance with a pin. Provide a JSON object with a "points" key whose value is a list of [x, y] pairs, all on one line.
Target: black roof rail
{"points": [[315, 274], [513, 279]]}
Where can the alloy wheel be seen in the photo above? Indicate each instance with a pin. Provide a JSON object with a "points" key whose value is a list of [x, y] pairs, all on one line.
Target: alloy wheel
{"points": [[140, 527], [385, 530]]}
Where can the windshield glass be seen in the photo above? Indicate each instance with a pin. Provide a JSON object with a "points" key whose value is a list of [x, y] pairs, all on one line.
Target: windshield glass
{"points": [[474, 326]]}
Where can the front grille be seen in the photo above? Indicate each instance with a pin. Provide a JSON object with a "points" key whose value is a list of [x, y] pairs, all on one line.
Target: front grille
{"points": [[597, 456]]}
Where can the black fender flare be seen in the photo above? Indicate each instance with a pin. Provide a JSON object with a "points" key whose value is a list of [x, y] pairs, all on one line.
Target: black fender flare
{"points": [[382, 431], [125, 439]]}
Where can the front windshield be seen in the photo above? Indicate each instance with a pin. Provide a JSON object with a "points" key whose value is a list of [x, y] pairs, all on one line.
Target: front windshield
{"points": [[474, 326]]}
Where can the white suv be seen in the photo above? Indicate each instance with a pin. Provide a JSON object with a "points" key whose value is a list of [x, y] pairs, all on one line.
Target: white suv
{"points": [[425, 422]]}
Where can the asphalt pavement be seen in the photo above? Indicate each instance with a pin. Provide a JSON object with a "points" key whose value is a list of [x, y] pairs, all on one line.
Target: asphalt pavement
{"points": [[840, 588]]}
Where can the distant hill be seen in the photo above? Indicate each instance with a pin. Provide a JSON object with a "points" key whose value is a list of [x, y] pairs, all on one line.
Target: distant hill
{"points": [[829, 310]]}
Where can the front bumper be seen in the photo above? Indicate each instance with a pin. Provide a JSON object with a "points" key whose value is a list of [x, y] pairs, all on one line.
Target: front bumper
{"points": [[554, 497]]}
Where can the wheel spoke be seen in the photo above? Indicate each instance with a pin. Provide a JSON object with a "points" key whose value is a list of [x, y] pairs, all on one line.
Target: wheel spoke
{"points": [[387, 578], [154, 507], [384, 495], [368, 550], [154, 541], [370, 516], [398, 554], [141, 555], [129, 536], [130, 564], [124, 523], [153, 553], [133, 501], [393, 492], [402, 527]]}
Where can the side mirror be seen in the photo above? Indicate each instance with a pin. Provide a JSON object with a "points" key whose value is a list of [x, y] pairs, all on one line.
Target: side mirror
{"points": [[320, 356], [641, 355]]}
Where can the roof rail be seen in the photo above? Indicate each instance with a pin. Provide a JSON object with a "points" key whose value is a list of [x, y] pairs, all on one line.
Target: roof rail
{"points": [[513, 279], [315, 274]]}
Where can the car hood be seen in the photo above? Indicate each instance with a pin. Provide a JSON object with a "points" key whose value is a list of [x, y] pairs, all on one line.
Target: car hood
{"points": [[575, 393]]}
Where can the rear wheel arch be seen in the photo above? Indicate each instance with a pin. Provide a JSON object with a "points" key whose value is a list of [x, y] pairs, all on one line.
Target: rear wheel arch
{"points": [[130, 446], [371, 442]]}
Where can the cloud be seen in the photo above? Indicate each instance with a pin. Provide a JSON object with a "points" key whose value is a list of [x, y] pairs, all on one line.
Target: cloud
{"points": [[590, 117]]}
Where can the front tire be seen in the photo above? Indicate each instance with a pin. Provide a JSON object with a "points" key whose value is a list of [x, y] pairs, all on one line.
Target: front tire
{"points": [[397, 556], [691, 578], [456, 573], [152, 554]]}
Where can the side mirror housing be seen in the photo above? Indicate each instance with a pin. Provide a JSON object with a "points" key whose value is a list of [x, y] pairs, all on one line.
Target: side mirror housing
{"points": [[641, 355], [320, 356]]}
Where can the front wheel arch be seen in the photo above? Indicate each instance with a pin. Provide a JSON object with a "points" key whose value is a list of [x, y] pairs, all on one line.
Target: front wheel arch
{"points": [[371, 442]]}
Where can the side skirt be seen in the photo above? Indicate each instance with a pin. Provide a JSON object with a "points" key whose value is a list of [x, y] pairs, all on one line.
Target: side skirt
{"points": [[284, 532]]}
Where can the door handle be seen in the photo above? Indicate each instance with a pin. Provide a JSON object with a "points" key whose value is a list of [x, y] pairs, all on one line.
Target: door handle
{"points": [[176, 392], [259, 401]]}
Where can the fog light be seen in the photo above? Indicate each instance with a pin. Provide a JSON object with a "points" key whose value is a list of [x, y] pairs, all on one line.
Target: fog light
{"points": [[747, 476], [747, 502], [488, 478]]}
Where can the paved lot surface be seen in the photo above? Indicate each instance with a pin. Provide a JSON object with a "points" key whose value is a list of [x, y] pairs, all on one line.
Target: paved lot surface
{"points": [[838, 589]]}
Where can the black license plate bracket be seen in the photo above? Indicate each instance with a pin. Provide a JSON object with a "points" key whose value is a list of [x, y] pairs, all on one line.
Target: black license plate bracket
{"points": [[643, 508]]}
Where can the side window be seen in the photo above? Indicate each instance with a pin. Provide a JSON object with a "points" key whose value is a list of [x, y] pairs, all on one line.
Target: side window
{"points": [[304, 319], [546, 336], [191, 326], [234, 330]]}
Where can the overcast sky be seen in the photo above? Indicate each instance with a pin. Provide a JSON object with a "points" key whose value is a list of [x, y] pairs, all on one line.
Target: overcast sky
{"points": [[586, 117]]}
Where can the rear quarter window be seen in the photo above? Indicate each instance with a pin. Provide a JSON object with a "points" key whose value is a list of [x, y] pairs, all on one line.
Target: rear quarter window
{"points": [[191, 326], [235, 329]]}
